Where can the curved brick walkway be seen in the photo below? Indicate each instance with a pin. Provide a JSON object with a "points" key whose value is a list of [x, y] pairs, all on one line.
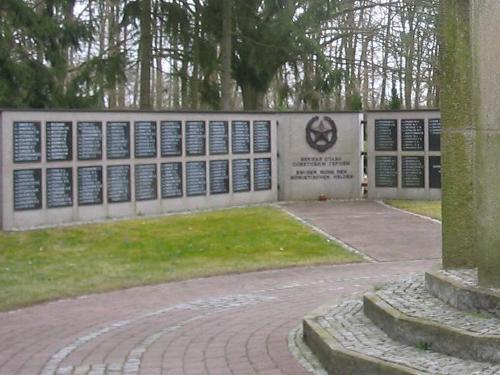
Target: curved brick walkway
{"points": [[237, 324]]}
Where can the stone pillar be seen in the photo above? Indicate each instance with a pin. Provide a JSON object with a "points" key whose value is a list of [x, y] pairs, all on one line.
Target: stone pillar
{"points": [[458, 138], [485, 16]]}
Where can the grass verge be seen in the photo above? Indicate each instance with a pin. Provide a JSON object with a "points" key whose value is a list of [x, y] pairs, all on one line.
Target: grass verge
{"points": [[48, 264], [426, 208]]}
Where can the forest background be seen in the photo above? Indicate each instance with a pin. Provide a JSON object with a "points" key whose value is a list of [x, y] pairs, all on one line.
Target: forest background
{"points": [[219, 54]]}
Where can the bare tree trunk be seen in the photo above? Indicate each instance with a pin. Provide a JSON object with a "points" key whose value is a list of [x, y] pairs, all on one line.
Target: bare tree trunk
{"points": [[145, 46], [385, 60], [226, 53]]}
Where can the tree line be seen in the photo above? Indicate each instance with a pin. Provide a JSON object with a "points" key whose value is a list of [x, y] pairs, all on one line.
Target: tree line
{"points": [[219, 54]]}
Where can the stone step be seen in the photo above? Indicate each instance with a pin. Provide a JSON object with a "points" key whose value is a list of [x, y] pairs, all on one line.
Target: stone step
{"points": [[459, 288], [348, 343], [408, 313]]}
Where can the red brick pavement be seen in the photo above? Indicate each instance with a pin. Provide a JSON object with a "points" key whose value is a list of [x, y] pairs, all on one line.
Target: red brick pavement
{"points": [[228, 325], [237, 324]]}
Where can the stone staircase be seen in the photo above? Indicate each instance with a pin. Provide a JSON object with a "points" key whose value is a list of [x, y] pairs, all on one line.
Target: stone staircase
{"points": [[441, 323]]}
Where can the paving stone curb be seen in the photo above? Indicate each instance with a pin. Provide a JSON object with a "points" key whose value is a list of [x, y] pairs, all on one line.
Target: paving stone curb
{"points": [[426, 333], [338, 360], [459, 289]]}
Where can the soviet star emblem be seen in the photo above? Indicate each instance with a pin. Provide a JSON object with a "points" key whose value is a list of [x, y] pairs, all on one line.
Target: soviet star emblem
{"points": [[321, 134]]}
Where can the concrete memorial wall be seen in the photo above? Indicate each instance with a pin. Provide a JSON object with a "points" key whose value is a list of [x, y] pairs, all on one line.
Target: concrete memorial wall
{"points": [[78, 166], [320, 154], [404, 155], [63, 167]]}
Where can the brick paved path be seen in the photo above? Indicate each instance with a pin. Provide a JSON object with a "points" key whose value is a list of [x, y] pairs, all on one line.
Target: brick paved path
{"points": [[236, 324], [381, 232]]}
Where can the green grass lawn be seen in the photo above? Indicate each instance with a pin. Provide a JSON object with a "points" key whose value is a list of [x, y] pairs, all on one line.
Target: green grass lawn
{"points": [[426, 208], [48, 264]]}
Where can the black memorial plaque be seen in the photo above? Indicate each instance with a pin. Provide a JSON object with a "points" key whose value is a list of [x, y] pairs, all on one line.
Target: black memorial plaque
{"points": [[435, 172], [118, 140], [386, 171], [261, 136], [89, 140], [240, 137], [435, 134], [27, 189], [59, 141], [413, 171], [219, 137], [241, 175], [146, 182], [145, 139], [59, 187], [171, 180], [219, 177], [118, 183], [412, 135], [195, 138], [196, 178], [262, 174], [171, 138], [386, 135], [27, 142], [89, 186]]}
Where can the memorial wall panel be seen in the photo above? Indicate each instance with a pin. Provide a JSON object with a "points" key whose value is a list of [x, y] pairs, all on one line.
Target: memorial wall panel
{"points": [[261, 137], [219, 176], [218, 137], [27, 189], [59, 183], [386, 135], [412, 135], [435, 135], [118, 140], [118, 181], [59, 141], [171, 138], [413, 170], [171, 180], [83, 166], [90, 186], [145, 139], [89, 139], [262, 174], [386, 171], [27, 142], [435, 172], [241, 174], [146, 182], [195, 138], [196, 178], [240, 137]]}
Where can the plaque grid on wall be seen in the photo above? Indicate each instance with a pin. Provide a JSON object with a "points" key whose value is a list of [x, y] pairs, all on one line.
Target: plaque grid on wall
{"points": [[118, 191], [59, 149], [196, 178], [145, 139], [29, 149], [241, 170], [172, 180], [218, 137], [171, 138], [92, 152], [195, 138], [118, 148], [59, 193], [90, 194], [261, 137], [240, 137], [146, 190], [31, 196]]}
